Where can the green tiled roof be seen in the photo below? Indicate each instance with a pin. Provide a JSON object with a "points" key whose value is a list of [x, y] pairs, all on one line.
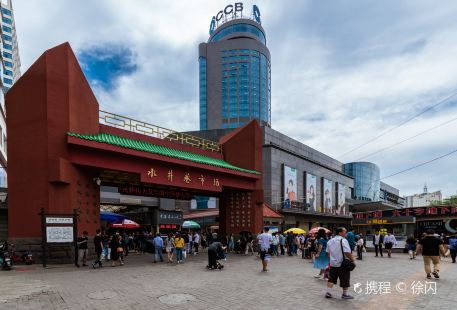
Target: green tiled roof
{"points": [[158, 149]]}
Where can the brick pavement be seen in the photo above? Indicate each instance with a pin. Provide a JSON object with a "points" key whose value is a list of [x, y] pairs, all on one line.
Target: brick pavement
{"points": [[140, 284]]}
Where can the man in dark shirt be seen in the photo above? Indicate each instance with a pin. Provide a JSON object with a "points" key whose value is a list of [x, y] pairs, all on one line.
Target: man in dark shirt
{"points": [[82, 249], [430, 247], [215, 252], [98, 243]]}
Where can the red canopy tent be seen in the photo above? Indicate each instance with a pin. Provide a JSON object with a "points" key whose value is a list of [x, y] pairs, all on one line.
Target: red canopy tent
{"points": [[125, 223]]}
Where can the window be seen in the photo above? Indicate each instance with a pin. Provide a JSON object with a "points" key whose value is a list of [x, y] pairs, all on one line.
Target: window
{"points": [[7, 37], [7, 81], [7, 20], [8, 64], [202, 78], [239, 28], [6, 29], [8, 72], [7, 55], [6, 12], [7, 46]]}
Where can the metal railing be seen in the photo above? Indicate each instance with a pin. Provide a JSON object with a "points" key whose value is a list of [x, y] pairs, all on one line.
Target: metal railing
{"points": [[129, 124]]}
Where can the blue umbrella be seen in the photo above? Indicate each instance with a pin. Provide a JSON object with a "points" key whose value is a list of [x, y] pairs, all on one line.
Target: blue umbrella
{"points": [[111, 217]]}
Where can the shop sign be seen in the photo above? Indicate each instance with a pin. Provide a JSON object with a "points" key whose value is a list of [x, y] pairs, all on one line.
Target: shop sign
{"points": [[169, 217], [153, 192], [384, 221], [416, 212]]}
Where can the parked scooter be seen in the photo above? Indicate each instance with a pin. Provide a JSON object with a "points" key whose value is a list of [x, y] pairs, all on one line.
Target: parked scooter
{"points": [[27, 258], [5, 259]]}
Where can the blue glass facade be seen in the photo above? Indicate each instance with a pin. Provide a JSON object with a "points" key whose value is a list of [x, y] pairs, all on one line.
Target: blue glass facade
{"points": [[235, 76], [202, 81], [367, 184], [240, 28], [246, 81]]}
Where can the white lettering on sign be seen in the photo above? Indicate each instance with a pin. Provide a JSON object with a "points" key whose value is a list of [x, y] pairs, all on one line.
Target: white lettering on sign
{"points": [[59, 220]]}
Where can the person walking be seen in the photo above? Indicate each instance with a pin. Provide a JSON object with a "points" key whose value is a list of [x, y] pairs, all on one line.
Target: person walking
{"points": [[196, 242], [411, 243], [158, 248], [190, 247], [282, 244], [321, 260], [169, 247], [360, 244], [336, 247], [350, 237], [453, 246], [265, 240], [82, 249], [98, 244], [249, 244], [116, 250], [378, 240], [389, 242], [312, 247], [431, 247], [179, 245], [290, 242], [231, 243]]}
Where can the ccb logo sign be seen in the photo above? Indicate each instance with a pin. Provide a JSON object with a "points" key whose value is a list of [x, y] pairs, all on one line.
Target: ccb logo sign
{"points": [[233, 10]]}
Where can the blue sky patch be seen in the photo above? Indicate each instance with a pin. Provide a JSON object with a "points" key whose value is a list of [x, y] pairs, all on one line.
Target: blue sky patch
{"points": [[103, 65]]}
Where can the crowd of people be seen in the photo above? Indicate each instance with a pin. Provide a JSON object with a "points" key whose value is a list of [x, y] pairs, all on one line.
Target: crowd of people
{"points": [[330, 252]]}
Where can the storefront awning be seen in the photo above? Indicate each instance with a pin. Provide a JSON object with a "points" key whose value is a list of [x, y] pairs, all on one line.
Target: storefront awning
{"points": [[201, 214]]}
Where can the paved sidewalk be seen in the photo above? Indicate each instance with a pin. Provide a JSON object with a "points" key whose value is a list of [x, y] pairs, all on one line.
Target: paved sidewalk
{"points": [[289, 284]]}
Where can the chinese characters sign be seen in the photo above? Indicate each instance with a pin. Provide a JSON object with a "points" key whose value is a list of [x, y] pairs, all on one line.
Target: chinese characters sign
{"points": [[416, 212], [190, 178], [154, 192], [239, 211]]}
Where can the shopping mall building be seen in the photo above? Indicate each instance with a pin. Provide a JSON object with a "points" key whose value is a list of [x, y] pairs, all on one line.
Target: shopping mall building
{"points": [[308, 187]]}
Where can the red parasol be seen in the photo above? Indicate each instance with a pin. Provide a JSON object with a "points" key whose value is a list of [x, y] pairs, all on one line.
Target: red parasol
{"points": [[316, 229], [125, 224]]}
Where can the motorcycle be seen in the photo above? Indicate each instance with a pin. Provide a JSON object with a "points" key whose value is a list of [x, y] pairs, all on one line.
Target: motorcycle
{"points": [[5, 259], [27, 258]]}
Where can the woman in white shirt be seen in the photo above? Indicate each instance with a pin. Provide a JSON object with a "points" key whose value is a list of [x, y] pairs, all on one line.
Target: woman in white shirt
{"points": [[360, 247]]}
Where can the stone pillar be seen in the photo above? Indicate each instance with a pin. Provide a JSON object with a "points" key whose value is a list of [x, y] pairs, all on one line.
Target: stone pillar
{"points": [[243, 148], [51, 99]]}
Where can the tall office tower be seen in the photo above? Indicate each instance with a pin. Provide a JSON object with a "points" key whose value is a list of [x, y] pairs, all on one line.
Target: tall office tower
{"points": [[10, 72], [235, 71]]}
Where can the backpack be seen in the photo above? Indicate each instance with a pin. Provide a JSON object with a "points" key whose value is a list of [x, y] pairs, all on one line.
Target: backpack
{"points": [[453, 243]]}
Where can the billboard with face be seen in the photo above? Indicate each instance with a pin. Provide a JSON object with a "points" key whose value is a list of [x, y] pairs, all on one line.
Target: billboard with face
{"points": [[342, 207], [290, 184], [310, 190], [327, 194]]}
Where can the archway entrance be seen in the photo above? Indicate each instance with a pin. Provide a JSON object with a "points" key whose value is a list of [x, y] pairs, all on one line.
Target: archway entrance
{"points": [[61, 145]]}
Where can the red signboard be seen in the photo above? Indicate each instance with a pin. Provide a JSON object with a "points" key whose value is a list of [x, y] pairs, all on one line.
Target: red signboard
{"points": [[417, 212], [153, 192]]}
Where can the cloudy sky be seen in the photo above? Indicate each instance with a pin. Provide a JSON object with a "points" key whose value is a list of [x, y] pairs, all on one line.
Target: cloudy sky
{"points": [[343, 72]]}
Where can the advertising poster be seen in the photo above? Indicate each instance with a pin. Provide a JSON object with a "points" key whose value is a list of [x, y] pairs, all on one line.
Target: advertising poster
{"points": [[342, 209], [290, 185], [327, 194], [311, 187]]}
